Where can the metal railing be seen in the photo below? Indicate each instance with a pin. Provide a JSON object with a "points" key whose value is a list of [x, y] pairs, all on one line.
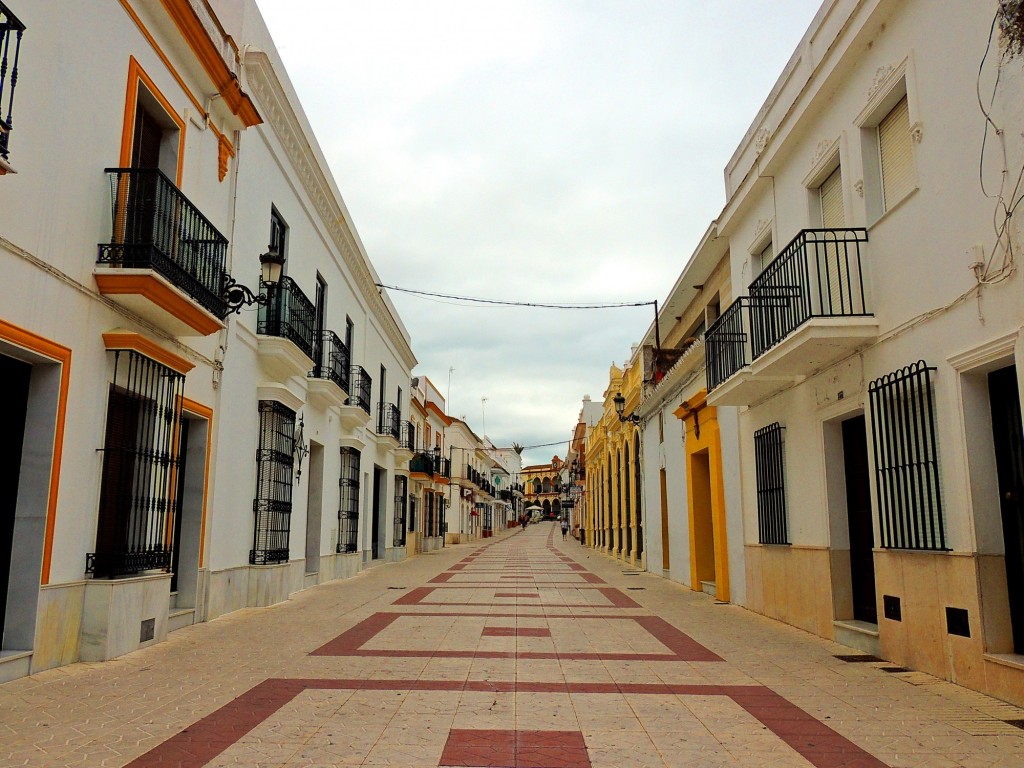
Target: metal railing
{"points": [[348, 502], [360, 384], [272, 507], [818, 274], [727, 343], [904, 435], [422, 463], [442, 466], [10, 37], [154, 226], [331, 357], [288, 314], [407, 438], [389, 420]]}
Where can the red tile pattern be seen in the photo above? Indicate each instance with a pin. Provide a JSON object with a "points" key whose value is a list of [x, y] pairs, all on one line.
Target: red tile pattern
{"points": [[515, 749], [530, 623]]}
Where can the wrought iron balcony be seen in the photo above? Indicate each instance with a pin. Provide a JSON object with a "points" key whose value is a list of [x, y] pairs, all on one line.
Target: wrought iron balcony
{"points": [[818, 276], [288, 314], [727, 343], [442, 466], [10, 38], [360, 384], [422, 463], [389, 420], [407, 438], [332, 361], [154, 226]]}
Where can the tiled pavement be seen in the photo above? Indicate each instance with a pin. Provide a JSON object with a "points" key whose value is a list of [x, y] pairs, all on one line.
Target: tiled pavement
{"points": [[525, 651]]}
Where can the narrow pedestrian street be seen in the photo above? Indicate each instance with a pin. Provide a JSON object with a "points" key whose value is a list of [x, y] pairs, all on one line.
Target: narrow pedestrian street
{"points": [[525, 650]]}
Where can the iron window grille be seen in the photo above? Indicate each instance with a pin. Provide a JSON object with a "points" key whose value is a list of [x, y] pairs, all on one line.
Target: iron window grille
{"points": [[272, 507], [288, 314], [154, 226], [430, 514], [331, 360], [907, 478], [770, 465], [135, 526], [11, 31], [361, 384], [401, 500], [348, 503]]}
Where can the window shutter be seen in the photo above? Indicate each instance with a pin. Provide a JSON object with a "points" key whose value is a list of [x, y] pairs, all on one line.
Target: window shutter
{"points": [[896, 154], [831, 192], [836, 268]]}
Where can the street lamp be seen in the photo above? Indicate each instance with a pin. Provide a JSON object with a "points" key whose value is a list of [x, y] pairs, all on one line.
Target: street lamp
{"points": [[620, 406], [236, 295]]}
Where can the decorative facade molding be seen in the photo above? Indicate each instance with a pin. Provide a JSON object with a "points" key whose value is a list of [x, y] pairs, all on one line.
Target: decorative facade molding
{"points": [[858, 187], [279, 114], [882, 75], [917, 132], [761, 139]]}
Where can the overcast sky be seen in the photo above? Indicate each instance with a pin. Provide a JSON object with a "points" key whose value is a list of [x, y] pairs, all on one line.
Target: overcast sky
{"points": [[565, 151]]}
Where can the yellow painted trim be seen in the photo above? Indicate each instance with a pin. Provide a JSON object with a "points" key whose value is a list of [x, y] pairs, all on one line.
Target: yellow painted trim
{"points": [[152, 350], [162, 295], [61, 355], [203, 412], [174, 72], [208, 55], [137, 75], [710, 441]]}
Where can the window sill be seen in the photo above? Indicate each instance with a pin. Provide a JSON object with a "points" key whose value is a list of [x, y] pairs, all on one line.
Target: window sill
{"points": [[892, 209]]}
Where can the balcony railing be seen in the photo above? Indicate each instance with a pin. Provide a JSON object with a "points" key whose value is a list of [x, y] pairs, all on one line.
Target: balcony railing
{"points": [[288, 314], [407, 438], [332, 363], [423, 463], [442, 466], [359, 391], [154, 226], [10, 38], [389, 420], [818, 275], [727, 343]]}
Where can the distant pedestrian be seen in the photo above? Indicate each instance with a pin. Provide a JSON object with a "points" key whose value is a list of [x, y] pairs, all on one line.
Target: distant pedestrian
{"points": [[565, 528]]}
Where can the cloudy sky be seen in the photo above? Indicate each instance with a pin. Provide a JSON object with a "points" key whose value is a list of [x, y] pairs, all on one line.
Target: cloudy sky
{"points": [[567, 151]]}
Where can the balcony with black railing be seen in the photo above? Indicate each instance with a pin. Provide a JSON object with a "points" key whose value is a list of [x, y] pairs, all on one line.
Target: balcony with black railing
{"points": [[442, 466], [421, 464], [805, 311], [329, 376], [359, 390], [11, 31], [288, 314], [164, 260], [407, 436], [389, 421]]}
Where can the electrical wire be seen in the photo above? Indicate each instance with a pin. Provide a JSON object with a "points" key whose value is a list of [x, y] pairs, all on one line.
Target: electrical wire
{"points": [[504, 303]]}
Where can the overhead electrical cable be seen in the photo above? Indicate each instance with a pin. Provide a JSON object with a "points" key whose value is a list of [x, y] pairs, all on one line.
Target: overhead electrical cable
{"points": [[505, 303]]}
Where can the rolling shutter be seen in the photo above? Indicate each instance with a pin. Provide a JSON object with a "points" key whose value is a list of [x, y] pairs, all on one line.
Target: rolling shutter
{"points": [[833, 298], [896, 155]]}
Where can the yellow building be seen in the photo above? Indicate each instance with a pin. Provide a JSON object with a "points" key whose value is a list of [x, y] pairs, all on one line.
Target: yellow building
{"points": [[614, 503], [542, 487]]}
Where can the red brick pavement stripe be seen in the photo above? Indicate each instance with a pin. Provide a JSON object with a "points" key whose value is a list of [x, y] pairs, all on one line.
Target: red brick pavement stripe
{"points": [[682, 647], [516, 632], [515, 749], [210, 736]]}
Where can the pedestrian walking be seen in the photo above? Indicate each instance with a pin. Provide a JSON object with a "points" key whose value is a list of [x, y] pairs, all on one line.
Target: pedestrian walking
{"points": [[565, 528]]}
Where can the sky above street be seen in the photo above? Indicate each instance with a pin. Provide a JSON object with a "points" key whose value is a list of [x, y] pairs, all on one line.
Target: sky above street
{"points": [[565, 151]]}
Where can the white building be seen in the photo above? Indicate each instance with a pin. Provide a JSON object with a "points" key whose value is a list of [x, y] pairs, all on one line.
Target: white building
{"points": [[430, 467], [874, 343], [180, 461]]}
